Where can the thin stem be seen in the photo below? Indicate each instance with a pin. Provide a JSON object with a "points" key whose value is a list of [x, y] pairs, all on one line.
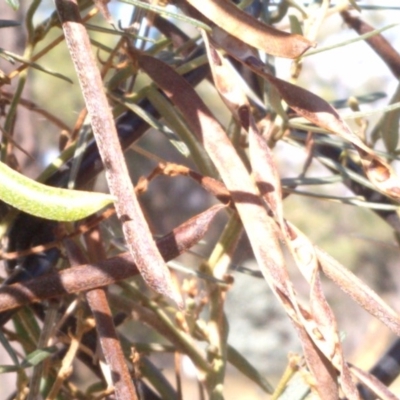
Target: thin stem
{"points": [[107, 333], [218, 326]]}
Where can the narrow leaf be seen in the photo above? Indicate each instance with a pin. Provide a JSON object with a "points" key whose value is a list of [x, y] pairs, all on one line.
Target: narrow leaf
{"points": [[32, 359], [224, 80], [325, 333], [390, 130], [247, 369], [263, 165], [388, 125], [9, 368], [161, 127], [16, 57], [37, 356], [134, 225], [14, 4], [48, 202], [237, 23], [358, 291], [355, 5]]}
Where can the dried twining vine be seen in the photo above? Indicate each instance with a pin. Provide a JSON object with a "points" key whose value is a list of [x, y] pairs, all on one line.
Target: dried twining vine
{"points": [[143, 80]]}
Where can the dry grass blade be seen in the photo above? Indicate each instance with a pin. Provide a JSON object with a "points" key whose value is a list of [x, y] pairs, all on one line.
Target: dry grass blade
{"points": [[358, 291], [224, 79], [319, 358], [322, 323], [136, 231], [322, 370], [236, 22], [264, 167], [261, 157], [320, 338]]}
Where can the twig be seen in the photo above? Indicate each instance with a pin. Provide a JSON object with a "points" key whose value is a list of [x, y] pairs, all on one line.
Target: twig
{"points": [[90, 276], [66, 365], [32, 106], [107, 333]]}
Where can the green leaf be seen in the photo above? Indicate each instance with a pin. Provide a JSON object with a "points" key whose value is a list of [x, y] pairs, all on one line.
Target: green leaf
{"points": [[14, 4], [9, 368], [244, 366], [351, 41], [163, 128], [37, 356], [32, 359], [389, 124], [45, 201], [390, 130], [9, 349], [295, 26], [15, 57], [355, 5]]}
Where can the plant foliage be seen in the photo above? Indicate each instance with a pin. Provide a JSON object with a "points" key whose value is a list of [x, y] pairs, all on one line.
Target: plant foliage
{"points": [[76, 283]]}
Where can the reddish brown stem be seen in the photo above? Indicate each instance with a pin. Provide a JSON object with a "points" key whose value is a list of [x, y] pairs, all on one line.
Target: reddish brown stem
{"points": [[107, 333], [91, 276]]}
